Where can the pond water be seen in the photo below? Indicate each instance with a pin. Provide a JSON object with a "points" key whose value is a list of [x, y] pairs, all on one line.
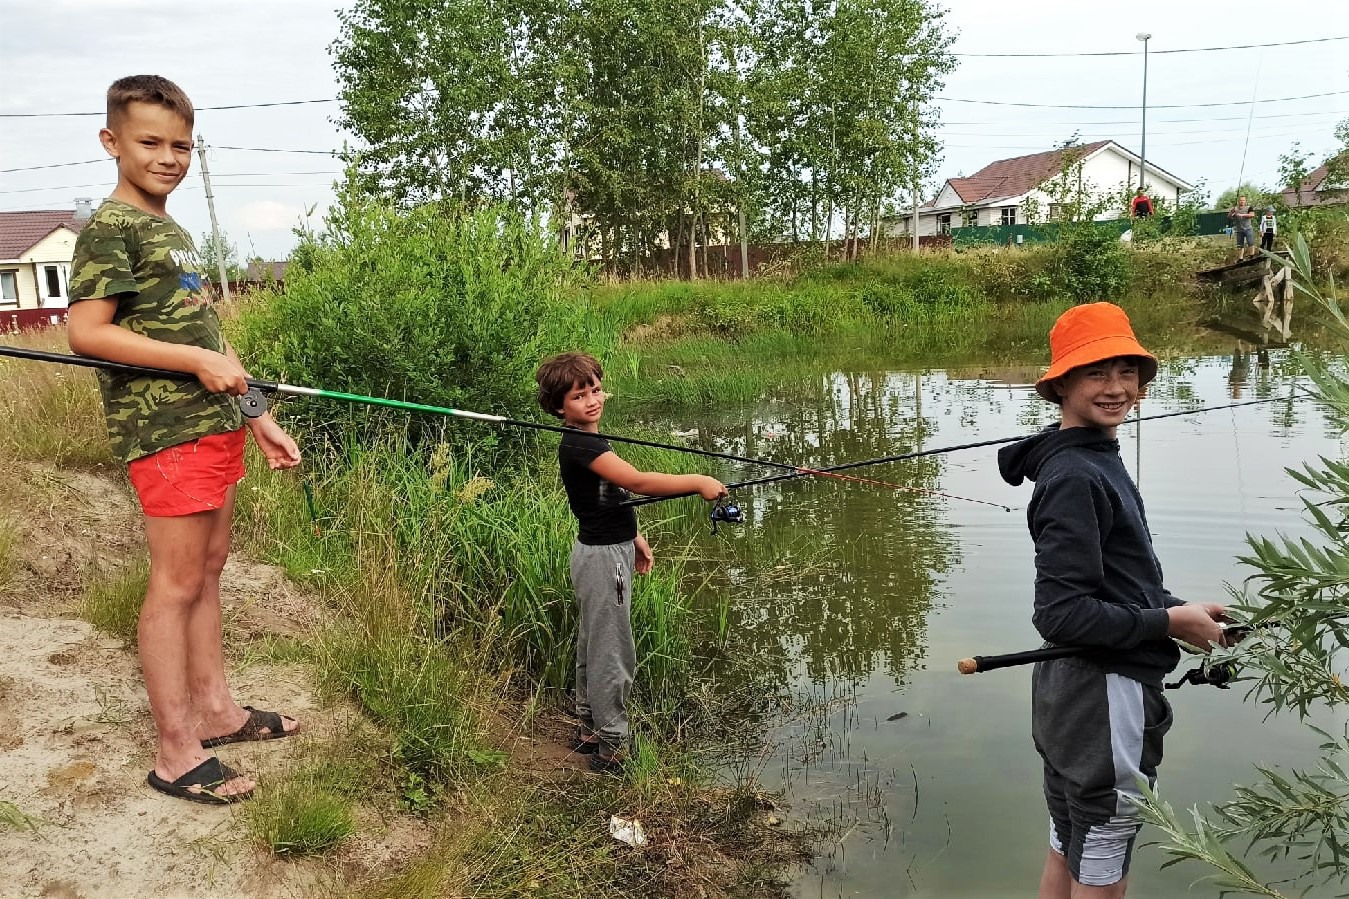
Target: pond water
{"points": [[865, 596]]}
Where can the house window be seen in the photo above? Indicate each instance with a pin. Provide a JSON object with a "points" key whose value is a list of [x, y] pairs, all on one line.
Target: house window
{"points": [[9, 286], [944, 224], [1009, 215], [53, 277], [1055, 212]]}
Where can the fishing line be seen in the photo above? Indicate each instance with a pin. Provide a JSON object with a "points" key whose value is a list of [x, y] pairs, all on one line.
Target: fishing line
{"points": [[900, 457], [254, 404], [1259, 60]]}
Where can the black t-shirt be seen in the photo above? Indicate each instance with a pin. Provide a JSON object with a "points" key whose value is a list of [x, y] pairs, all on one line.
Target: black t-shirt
{"points": [[594, 501]]}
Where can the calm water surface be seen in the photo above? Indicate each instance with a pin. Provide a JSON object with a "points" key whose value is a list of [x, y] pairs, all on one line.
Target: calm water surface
{"points": [[867, 596]]}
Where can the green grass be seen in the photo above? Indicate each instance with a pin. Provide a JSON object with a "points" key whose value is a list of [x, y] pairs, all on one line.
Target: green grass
{"points": [[14, 817], [113, 604], [10, 541], [299, 816], [52, 413]]}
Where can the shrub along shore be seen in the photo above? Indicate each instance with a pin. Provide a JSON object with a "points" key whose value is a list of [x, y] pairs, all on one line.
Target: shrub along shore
{"points": [[437, 550]]}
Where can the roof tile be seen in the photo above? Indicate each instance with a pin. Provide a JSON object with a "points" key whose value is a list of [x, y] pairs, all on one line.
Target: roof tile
{"points": [[19, 231]]}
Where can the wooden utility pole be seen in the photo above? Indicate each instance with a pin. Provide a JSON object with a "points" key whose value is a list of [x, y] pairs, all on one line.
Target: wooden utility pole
{"points": [[915, 217], [215, 227]]}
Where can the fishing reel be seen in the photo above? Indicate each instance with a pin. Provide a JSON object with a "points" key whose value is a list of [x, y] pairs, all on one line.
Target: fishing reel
{"points": [[253, 404], [725, 511], [1215, 674]]}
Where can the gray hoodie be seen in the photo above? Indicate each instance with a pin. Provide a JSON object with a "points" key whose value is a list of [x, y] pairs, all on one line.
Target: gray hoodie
{"points": [[1097, 580]]}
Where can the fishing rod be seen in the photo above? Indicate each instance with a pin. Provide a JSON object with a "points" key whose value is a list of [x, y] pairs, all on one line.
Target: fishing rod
{"points": [[1216, 674], [941, 450], [254, 404]]}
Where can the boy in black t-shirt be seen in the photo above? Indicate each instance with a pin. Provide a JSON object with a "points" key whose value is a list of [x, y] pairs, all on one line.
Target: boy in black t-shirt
{"points": [[607, 550]]}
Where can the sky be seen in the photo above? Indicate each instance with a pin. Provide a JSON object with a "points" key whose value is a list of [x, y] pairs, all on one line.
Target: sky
{"points": [[58, 56]]}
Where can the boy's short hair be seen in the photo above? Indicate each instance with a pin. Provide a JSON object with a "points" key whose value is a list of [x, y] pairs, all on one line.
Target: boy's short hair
{"points": [[147, 89], [559, 374]]}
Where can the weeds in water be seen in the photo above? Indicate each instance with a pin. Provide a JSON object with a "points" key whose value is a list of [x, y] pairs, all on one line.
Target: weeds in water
{"points": [[113, 605]]}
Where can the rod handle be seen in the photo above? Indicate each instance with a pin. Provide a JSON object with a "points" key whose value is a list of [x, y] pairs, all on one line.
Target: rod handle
{"points": [[968, 666]]}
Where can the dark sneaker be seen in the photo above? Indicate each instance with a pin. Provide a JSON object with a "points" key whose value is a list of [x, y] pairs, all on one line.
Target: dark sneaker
{"points": [[584, 742], [607, 761]]}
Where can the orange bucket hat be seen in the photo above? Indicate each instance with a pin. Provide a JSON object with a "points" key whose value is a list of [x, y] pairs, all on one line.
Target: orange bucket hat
{"points": [[1091, 333]]}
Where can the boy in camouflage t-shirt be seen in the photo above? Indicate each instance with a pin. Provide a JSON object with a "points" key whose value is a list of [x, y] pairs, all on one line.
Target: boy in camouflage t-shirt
{"points": [[137, 296]]}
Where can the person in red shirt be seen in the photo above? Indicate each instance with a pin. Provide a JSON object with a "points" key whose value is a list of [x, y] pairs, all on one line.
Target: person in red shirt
{"points": [[1142, 206]]}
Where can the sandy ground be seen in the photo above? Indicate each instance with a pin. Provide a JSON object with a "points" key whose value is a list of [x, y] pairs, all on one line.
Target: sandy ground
{"points": [[76, 736], [75, 727]]}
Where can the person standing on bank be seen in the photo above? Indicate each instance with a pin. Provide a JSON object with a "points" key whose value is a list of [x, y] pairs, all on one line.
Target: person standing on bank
{"points": [[1243, 217], [1269, 228], [1097, 719], [137, 296], [608, 549]]}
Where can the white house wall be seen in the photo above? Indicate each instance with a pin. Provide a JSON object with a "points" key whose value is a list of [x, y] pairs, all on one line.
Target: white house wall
{"points": [[57, 248]]}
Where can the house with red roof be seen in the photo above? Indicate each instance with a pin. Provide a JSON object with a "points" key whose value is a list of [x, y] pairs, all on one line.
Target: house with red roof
{"points": [[1004, 192], [1320, 187], [36, 248]]}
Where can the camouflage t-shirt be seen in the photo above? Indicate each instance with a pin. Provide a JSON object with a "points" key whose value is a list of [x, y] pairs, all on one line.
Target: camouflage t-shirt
{"points": [[151, 268]]}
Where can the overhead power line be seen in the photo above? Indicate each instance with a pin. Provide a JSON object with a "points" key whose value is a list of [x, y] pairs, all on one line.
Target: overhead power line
{"points": [[1134, 121], [38, 115], [1150, 105], [55, 165], [1311, 40], [276, 150]]}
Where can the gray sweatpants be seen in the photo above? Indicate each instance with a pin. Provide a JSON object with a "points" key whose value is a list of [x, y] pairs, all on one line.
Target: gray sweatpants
{"points": [[606, 656]]}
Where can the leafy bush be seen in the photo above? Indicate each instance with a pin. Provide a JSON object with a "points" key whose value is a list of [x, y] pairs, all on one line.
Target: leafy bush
{"points": [[1094, 264], [439, 306]]}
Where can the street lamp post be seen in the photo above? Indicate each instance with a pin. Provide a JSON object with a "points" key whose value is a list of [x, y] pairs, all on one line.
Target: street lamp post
{"points": [[1143, 155]]}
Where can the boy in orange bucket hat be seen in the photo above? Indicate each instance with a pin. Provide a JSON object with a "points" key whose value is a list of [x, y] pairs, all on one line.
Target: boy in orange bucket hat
{"points": [[1097, 719]]}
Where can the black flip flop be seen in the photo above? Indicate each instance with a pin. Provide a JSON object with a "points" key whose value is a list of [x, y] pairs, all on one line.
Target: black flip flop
{"points": [[259, 726], [206, 776]]}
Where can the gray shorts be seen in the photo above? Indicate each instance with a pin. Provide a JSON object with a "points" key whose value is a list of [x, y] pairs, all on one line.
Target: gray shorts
{"points": [[1245, 236], [1099, 734]]}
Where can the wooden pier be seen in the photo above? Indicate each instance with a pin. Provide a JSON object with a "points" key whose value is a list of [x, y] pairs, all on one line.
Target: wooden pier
{"points": [[1235, 274], [1273, 297]]}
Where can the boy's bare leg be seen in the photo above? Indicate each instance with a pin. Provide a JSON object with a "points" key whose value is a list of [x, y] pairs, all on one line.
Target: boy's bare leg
{"points": [[178, 549], [1057, 883], [217, 712]]}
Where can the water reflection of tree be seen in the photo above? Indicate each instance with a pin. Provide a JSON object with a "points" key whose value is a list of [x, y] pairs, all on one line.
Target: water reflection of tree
{"points": [[884, 550], [1275, 375]]}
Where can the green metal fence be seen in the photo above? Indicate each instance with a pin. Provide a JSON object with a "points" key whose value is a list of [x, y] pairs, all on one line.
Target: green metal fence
{"points": [[1005, 235]]}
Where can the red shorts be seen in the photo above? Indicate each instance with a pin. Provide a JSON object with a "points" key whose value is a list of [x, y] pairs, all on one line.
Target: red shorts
{"points": [[190, 477]]}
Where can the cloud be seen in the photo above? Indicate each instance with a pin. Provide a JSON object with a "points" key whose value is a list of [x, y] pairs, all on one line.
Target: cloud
{"points": [[266, 215]]}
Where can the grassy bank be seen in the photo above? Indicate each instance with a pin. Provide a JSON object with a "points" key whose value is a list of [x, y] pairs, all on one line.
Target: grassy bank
{"points": [[729, 341], [436, 553], [448, 624]]}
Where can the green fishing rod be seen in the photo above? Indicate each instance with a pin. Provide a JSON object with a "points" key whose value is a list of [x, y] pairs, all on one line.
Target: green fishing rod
{"points": [[254, 404], [940, 450]]}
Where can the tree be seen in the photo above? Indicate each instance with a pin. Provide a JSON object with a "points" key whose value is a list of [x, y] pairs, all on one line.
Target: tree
{"points": [[839, 108], [1293, 168], [207, 250], [1256, 197], [652, 122], [1300, 615]]}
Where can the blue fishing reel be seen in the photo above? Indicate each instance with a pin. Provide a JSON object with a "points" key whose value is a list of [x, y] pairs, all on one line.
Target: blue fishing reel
{"points": [[725, 511]]}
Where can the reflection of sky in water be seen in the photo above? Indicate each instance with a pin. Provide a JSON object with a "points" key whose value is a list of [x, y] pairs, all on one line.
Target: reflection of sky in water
{"points": [[876, 593]]}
